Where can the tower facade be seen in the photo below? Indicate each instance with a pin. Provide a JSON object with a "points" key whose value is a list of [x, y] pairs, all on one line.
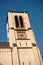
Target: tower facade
{"points": [[21, 39], [19, 29]]}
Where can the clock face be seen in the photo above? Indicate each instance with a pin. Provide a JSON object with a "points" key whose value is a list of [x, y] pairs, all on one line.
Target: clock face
{"points": [[21, 35]]}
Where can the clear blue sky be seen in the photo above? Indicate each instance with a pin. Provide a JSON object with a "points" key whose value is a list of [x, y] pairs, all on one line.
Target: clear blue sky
{"points": [[35, 10]]}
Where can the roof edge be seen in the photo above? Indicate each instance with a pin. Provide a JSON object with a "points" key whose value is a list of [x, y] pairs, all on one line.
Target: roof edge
{"points": [[18, 11]]}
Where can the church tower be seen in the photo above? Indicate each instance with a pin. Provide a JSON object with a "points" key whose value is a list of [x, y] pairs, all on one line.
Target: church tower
{"points": [[21, 39]]}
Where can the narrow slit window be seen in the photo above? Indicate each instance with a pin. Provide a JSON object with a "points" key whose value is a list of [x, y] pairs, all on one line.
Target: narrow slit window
{"points": [[16, 21], [21, 21], [23, 63], [29, 63]]}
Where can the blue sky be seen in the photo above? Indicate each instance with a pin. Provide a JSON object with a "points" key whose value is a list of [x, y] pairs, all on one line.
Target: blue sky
{"points": [[35, 10]]}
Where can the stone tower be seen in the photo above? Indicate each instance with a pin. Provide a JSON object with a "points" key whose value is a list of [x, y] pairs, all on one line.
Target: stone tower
{"points": [[21, 39]]}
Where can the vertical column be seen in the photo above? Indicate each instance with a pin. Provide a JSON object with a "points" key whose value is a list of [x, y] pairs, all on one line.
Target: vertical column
{"points": [[11, 37], [10, 19], [37, 56], [26, 21], [15, 56], [10, 28]]}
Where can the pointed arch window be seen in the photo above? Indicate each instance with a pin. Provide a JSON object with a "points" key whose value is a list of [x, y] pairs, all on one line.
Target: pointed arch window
{"points": [[16, 21], [21, 21]]}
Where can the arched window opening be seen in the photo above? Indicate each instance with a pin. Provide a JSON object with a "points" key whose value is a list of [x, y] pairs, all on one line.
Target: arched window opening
{"points": [[16, 21], [21, 21]]}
